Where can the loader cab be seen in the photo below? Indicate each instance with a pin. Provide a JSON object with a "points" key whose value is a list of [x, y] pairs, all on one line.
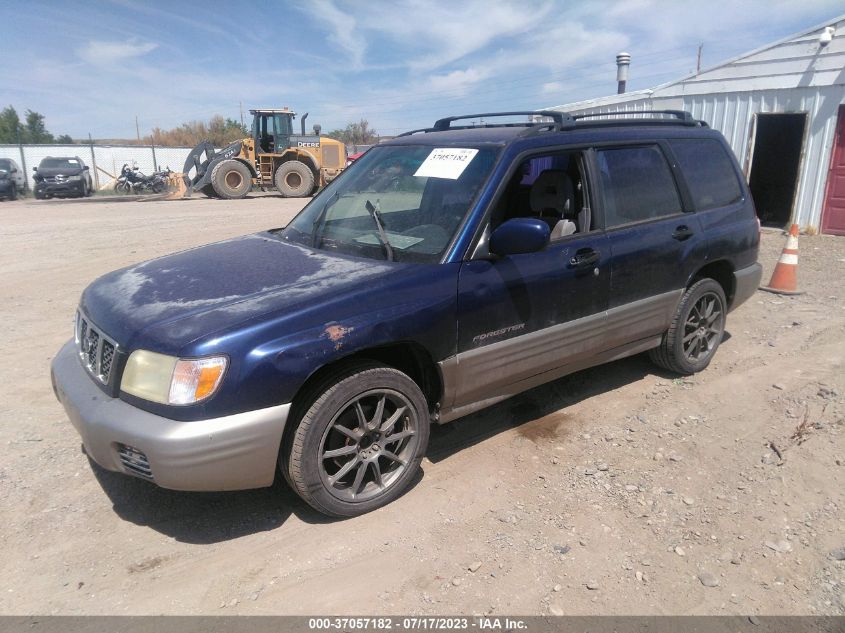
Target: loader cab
{"points": [[271, 130]]}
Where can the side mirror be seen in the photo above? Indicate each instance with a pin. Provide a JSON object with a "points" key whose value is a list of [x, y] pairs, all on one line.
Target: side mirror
{"points": [[85, 168], [35, 169], [518, 236]]}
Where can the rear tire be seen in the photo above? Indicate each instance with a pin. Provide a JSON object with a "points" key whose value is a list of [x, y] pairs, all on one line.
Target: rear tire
{"points": [[231, 179], [696, 330], [294, 179], [361, 467]]}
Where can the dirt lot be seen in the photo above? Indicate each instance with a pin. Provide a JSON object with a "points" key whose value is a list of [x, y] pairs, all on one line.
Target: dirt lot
{"points": [[617, 490]]}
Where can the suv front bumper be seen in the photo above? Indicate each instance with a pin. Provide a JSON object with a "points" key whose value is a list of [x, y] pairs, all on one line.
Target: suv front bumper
{"points": [[228, 453], [67, 188]]}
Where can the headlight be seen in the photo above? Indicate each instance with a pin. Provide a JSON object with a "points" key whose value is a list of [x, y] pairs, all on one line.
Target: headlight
{"points": [[170, 380]]}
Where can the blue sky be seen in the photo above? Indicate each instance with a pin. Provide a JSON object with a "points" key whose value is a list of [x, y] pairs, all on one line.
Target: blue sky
{"points": [[92, 66]]}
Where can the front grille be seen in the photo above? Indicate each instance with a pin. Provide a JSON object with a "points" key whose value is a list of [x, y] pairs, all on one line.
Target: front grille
{"points": [[96, 350], [135, 462], [331, 156], [107, 358]]}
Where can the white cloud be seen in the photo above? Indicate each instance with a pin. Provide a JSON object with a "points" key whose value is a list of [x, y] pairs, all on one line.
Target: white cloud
{"points": [[458, 81], [343, 29], [431, 35], [100, 52]]}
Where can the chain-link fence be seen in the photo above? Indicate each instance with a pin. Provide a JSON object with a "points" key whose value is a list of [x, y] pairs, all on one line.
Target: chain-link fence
{"points": [[105, 161]]}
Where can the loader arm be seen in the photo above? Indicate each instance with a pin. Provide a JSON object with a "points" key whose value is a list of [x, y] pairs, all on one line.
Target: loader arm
{"points": [[201, 161]]}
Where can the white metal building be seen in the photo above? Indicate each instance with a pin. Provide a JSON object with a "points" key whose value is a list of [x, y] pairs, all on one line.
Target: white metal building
{"points": [[782, 109]]}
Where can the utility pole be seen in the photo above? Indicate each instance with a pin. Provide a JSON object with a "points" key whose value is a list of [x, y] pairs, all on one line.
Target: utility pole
{"points": [[241, 103], [137, 130], [698, 62]]}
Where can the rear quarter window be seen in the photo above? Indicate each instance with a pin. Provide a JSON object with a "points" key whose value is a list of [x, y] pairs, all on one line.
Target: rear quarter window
{"points": [[708, 171], [637, 185]]}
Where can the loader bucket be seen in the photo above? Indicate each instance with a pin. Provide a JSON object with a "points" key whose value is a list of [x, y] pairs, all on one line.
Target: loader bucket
{"points": [[177, 187]]}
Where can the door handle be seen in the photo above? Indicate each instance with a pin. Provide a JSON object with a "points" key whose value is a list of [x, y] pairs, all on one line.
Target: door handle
{"points": [[584, 258], [682, 233]]}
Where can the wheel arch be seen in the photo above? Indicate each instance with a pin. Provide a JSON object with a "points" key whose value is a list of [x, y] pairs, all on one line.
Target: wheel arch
{"points": [[720, 271], [302, 157], [409, 357], [249, 165]]}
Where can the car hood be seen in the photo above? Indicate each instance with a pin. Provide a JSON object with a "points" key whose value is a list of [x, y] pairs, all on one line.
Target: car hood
{"points": [[176, 299], [50, 172]]}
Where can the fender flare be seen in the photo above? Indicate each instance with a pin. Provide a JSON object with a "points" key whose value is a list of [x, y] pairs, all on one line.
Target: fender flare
{"points": [[303, 157]]}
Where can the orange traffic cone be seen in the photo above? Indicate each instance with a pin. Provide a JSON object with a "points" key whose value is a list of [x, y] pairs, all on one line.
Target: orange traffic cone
{"points": [[785, 276]]}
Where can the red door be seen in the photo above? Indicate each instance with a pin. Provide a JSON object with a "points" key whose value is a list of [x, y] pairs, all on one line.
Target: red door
{"points": [[833, 214]]}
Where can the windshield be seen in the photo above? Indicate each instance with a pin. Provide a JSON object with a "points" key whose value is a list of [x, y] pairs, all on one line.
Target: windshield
{"points": [[5, 167], [400, 203], [60, 163]]}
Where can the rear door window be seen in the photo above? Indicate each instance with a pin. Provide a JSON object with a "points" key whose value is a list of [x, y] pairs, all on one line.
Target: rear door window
{"points": [[708, 171], [637, 185]]}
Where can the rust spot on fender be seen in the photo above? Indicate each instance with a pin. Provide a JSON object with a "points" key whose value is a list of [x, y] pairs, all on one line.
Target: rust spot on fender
{"points": [[337, 333]]}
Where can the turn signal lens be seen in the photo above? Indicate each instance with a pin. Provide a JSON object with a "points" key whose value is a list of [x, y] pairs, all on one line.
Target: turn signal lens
{"points": [[195, 380]]}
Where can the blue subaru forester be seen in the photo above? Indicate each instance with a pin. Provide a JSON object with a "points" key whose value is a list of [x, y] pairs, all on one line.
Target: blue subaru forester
{"points": [[444, 271]]}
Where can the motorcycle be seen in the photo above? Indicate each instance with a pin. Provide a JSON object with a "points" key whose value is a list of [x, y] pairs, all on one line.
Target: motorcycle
{"points": [[133, 181]]}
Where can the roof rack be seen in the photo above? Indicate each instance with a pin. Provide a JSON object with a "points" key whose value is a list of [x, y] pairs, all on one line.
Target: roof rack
{"points": [[682, 116], [562, 120]]}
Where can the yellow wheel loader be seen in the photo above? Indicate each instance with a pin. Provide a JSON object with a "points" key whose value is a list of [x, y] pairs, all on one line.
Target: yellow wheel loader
{"points": [[272, 158]]}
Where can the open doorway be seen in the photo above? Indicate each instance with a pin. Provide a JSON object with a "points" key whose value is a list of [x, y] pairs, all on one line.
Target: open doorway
{"points": [[776, 158]]}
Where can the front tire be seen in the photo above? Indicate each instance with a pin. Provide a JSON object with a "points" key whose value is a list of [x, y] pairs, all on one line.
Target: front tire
{"points": [[294, 179], [360, 442], [696, 330], [231, 179], [13, 194]]}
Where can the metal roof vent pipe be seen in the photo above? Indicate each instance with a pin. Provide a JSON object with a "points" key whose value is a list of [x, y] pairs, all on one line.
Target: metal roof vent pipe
{"points": [[623, 60]]}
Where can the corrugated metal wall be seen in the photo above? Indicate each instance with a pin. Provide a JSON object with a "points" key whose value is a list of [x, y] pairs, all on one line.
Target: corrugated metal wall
{"points": [[732, 113]]}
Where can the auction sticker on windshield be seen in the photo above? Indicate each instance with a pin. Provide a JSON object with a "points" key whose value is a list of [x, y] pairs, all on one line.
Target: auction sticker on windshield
{"points": [[446, 162]]}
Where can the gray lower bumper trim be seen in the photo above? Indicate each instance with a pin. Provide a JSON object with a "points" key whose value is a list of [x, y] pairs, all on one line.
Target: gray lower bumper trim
{"points": [[228, 453], [747, 280]]}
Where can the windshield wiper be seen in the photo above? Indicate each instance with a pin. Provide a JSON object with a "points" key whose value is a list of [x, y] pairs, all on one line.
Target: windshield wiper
{"points": [[318, 221], [376, 216]]}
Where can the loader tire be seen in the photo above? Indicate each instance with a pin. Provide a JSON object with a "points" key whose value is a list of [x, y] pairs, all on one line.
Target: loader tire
{"points": [[231, 179], [294, 179]]}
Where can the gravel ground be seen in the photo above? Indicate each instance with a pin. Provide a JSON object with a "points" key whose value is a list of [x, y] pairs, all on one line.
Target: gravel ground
{"points": [[618, 490]]}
